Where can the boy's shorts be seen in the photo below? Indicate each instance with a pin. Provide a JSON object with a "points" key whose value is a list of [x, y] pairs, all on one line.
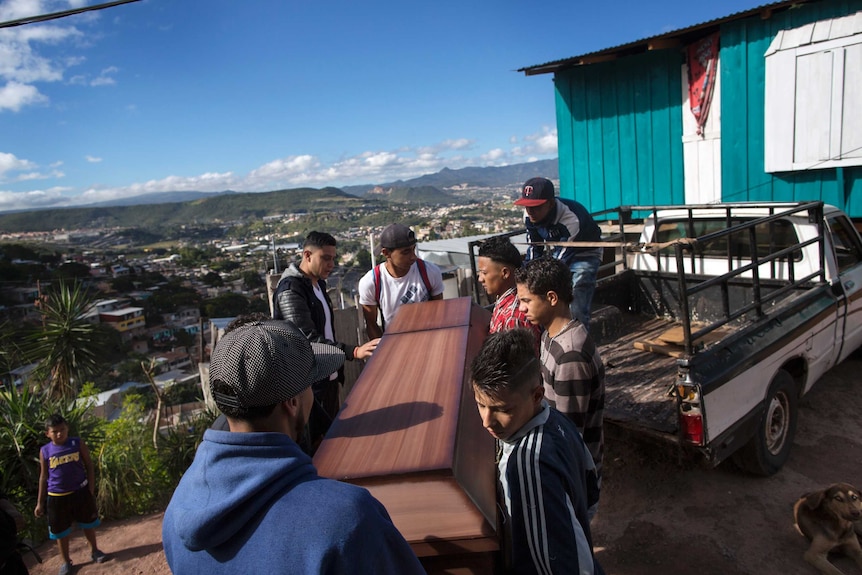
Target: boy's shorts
{"points": [[78, 506]]}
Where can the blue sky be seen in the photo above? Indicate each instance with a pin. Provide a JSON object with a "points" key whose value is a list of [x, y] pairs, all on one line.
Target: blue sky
{"points": [[258, 95]]}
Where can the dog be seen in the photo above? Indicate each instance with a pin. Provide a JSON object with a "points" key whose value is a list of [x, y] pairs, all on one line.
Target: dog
{"points": [[827, 518]]}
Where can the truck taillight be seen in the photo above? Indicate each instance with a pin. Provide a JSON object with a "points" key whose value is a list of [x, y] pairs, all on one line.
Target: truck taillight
{"points": [[691, 423]]}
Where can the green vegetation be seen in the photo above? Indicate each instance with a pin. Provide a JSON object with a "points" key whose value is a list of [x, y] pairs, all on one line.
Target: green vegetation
{"points": [[68, 347], [132, 476], [233, 304], [136, 468], [22, 433]]}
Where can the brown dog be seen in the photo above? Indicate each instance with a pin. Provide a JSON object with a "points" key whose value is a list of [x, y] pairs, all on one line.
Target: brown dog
{"points": [[826, 518]]}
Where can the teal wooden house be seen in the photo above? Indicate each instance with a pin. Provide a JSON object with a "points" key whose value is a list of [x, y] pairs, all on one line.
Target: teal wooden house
{"points": [[761, 105]]}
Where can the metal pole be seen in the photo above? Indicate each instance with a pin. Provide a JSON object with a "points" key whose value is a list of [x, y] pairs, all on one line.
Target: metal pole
{"points": [[274, 257]]}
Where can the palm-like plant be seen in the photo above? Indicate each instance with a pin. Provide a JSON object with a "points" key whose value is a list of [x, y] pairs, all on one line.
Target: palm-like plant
{"points": [[10, 348], [67, 347]]}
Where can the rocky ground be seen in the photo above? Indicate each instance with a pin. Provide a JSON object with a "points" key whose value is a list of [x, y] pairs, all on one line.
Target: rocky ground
{"points": [[658, 515]]}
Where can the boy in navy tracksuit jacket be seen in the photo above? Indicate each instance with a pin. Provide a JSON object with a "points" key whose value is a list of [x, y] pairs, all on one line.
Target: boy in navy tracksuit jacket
{"points": [[547, 478]]}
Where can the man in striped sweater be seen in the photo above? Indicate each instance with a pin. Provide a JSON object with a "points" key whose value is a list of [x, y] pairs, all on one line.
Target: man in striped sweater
{"points": [[547, 479], [572, 371]]}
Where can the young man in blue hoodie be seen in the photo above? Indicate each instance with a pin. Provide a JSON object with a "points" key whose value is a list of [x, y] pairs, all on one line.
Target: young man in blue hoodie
{"points": [[252, 501]]}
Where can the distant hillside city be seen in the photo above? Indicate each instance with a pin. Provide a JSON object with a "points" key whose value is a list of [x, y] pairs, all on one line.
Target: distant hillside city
{"points": [[160, 273]]}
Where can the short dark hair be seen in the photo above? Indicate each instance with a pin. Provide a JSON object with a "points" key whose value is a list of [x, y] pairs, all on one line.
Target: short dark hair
{"points": [[316, 239], [55, 420], [241, 413], [245, 318], [507, 361], [501, 250], [547, 274]]}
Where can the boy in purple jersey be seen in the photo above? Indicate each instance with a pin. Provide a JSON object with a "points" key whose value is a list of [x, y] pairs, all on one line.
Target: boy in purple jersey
{"points": [[66, 484]]}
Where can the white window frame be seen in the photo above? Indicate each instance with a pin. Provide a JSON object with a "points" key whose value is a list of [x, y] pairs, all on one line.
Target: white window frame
{"points": [[785, 130]]}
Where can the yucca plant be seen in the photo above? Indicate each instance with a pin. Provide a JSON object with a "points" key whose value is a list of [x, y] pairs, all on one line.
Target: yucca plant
{"points": [[11, 354], [67, 347]]}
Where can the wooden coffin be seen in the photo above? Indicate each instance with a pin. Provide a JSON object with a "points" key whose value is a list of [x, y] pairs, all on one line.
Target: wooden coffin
{"points": [[410, 433]]}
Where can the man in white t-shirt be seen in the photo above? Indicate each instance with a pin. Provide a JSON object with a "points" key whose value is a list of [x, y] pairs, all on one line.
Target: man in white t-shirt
{"points": [[402, 278]]}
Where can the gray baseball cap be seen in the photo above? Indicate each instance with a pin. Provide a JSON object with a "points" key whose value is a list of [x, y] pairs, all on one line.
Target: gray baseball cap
{"points": [[397, 236], [266, 362]]}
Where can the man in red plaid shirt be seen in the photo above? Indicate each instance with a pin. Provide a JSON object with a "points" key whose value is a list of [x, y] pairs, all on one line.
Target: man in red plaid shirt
{"points": [[498, 260]]}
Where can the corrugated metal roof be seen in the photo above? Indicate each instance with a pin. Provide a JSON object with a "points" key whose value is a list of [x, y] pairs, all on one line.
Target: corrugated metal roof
{"points": [[671, 39]]}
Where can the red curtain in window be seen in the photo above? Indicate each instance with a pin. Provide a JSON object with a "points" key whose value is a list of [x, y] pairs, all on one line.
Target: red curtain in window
{"points": [[702, 57]]}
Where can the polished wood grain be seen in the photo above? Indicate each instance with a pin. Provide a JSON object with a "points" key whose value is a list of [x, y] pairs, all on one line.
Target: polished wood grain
{"points": [[447, 521], [433, 315], [409, 431], [401, 414]]}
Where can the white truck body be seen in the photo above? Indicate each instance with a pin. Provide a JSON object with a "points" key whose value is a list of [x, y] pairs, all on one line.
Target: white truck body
{"points": [[756, 335]]}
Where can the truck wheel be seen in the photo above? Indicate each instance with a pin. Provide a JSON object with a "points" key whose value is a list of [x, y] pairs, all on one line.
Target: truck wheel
{"points": [[769, 448]]}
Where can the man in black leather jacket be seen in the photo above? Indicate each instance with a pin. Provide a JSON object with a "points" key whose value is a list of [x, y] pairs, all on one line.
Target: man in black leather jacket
{"points": [[302, 299]]}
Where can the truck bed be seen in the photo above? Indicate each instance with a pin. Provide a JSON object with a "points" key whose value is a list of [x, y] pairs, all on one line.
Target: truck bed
{"points": [[637, 381]]}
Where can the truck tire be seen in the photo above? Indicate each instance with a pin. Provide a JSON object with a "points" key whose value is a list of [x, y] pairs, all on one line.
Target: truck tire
{"points": [[768, 450]]}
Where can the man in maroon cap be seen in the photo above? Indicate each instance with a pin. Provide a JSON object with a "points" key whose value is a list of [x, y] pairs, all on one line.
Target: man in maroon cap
{"points": [[552, 219], [402, 278]]}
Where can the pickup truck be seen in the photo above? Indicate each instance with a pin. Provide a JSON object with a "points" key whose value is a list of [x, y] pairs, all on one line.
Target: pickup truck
{"points": [[716, 319]]}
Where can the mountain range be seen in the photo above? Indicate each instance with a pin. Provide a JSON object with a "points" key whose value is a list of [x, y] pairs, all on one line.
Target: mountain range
{"points": [[188, 207], [399, 190]]}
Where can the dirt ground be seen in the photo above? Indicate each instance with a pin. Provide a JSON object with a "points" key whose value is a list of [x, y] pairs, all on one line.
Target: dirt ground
{"points": [[657, 515]]}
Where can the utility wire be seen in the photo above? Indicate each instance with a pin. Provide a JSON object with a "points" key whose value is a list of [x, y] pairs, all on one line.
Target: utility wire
{"points": [[63, 14]]}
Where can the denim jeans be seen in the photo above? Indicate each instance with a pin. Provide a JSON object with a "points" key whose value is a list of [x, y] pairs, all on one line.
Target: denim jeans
{"points": [[584, 274]]}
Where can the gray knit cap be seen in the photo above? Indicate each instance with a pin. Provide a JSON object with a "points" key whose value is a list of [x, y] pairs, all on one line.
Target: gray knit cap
{"points": [[267, 362]]}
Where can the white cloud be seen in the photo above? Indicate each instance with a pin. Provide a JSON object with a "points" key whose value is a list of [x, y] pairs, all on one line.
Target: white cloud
{"points": [[447, 145], [494, 155], [14, 96], [17, 9], [9, 163], [23, 62], [92, 159], [105, 77], [53, 174], [203, 183], [13, 169], [543, 143], [52, 197], [383, 166], [380, 159], [103, 81], [20, 62], [373, 166], [546, 142]]}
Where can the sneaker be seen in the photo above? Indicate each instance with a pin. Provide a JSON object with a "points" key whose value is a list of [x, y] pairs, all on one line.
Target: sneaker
{"points": [[66, 568], [98, 556]]}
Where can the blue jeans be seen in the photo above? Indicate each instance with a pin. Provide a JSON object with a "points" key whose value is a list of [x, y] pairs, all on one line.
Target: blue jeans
{"points": [[584, 274]]}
